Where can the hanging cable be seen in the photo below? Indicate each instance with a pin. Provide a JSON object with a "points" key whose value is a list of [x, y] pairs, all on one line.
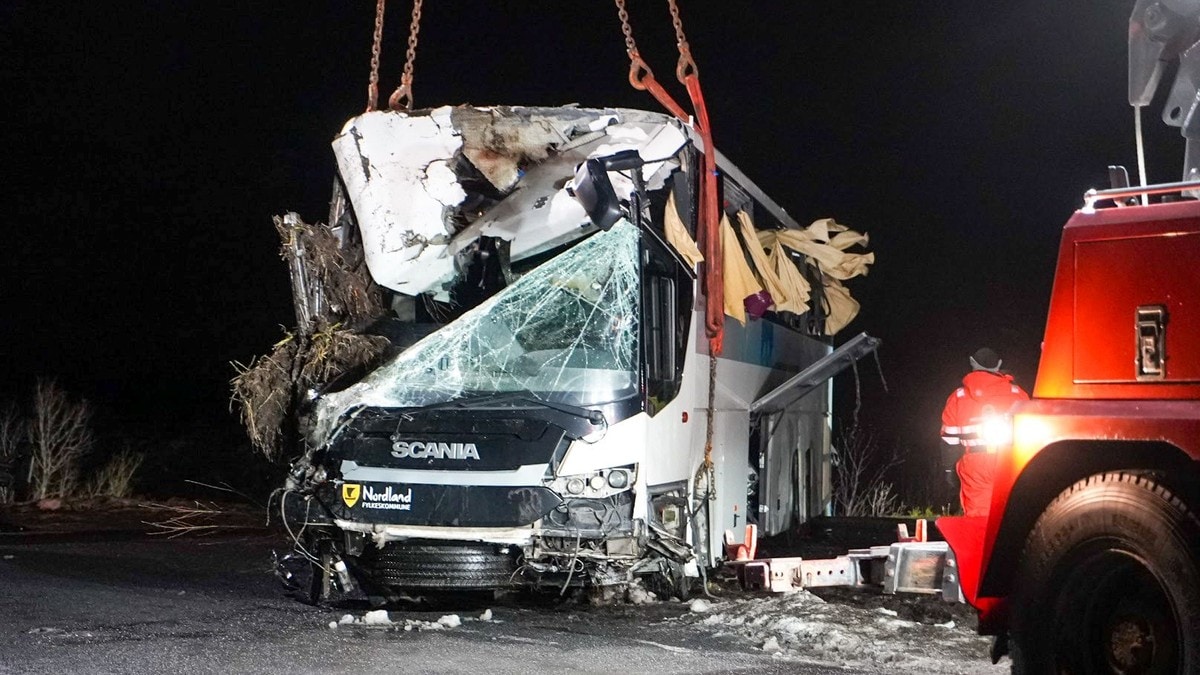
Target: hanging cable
{"points": [[1141, 150], [402, 98], [376, 49]]}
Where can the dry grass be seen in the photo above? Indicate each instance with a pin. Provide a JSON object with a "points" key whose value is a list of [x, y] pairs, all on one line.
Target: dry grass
{"points": [[332, 289], [334, 275], [195, 519], [115, 478], [270, 390]]}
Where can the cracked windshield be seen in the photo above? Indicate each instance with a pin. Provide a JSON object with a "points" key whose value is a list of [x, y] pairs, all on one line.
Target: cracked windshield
{"points": [[565, 331]]}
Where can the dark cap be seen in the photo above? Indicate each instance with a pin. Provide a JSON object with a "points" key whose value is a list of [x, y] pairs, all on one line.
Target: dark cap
{"points": [[986, 359]]}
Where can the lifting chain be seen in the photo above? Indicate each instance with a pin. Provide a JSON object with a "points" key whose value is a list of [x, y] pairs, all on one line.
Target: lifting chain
{"points": [[686, 65], [639, 72], [640, 76], [376, 48], [402, 99]]}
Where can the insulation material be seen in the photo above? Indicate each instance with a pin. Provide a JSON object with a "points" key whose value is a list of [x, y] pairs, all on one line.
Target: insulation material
{"points": [[677, 235], [825, 242], [740, 282], [566, 331]]}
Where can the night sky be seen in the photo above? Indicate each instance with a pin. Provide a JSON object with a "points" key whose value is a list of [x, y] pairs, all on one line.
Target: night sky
{"points": [[147, 145]]}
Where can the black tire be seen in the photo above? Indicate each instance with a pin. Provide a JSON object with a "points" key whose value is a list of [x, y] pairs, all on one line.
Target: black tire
{"points": [[1109, 582]]}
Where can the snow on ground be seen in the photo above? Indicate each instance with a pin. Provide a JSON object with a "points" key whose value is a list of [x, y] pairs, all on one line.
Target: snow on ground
{"points": [[802, 625], [381, 618]]}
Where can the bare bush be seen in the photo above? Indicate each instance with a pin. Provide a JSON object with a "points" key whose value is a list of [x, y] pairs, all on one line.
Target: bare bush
{"points": [[115, 478], [13, 431], [60, 435], [859, 475]]}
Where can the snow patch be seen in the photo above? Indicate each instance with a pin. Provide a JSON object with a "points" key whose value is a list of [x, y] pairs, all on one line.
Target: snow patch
{"points": [[802, 625], [380, 618], [700, 606]]}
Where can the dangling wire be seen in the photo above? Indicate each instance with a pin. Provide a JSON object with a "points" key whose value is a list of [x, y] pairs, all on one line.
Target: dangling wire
{"points": [[376, 48], [402, 98]]}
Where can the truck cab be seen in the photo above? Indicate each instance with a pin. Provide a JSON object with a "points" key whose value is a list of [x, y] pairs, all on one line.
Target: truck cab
{"points": [[1097, 496]]}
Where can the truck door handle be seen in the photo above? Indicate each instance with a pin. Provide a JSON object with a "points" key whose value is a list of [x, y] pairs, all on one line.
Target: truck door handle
{"points": [[1151, 328]]}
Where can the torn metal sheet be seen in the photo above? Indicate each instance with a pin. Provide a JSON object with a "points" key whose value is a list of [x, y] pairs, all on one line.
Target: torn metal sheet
{"points": [[400, 192], [424, 186]]}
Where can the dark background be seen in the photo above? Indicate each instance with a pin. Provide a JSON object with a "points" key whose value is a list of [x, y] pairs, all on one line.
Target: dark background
{"points": [[147, 144]]}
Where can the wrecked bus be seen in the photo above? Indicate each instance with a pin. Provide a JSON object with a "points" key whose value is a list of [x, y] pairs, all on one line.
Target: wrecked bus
{"points": [[548, 413]]}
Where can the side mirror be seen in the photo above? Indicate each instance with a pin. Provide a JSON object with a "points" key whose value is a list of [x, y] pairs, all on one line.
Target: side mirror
{"points": [[595, 193]]}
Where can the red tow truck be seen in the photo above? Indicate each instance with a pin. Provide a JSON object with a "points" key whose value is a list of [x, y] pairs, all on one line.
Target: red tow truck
{"points": [[1089, 560]]}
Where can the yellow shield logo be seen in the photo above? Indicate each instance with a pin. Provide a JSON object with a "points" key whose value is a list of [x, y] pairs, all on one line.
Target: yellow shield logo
{"points": [[351, 493]]}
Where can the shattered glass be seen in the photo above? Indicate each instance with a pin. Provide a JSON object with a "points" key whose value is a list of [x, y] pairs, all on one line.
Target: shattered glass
{"points": [[565, 331]]}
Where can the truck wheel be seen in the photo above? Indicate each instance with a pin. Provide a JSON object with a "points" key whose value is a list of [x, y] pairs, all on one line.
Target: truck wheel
{"points": [[1109, 582]]}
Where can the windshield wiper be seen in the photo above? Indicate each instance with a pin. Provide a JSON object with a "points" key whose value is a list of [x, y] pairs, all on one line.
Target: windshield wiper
{"points": [[594, 417]]}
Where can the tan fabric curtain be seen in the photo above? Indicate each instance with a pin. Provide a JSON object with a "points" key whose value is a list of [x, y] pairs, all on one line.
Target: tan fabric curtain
{"points": [[824, 241], [740, 281], [677, 235], [799, 290], [842, 307], [817, 242], [762, 266]]}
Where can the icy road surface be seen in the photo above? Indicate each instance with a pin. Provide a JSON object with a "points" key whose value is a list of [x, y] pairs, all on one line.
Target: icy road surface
{"points": [[211, 605]]}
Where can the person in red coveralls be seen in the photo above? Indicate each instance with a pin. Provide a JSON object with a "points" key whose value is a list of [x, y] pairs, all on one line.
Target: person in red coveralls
{"points": [[977, 419]]}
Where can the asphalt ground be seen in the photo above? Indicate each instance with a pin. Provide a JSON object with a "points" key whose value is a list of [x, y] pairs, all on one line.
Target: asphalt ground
{"points": [[120, 601]]}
